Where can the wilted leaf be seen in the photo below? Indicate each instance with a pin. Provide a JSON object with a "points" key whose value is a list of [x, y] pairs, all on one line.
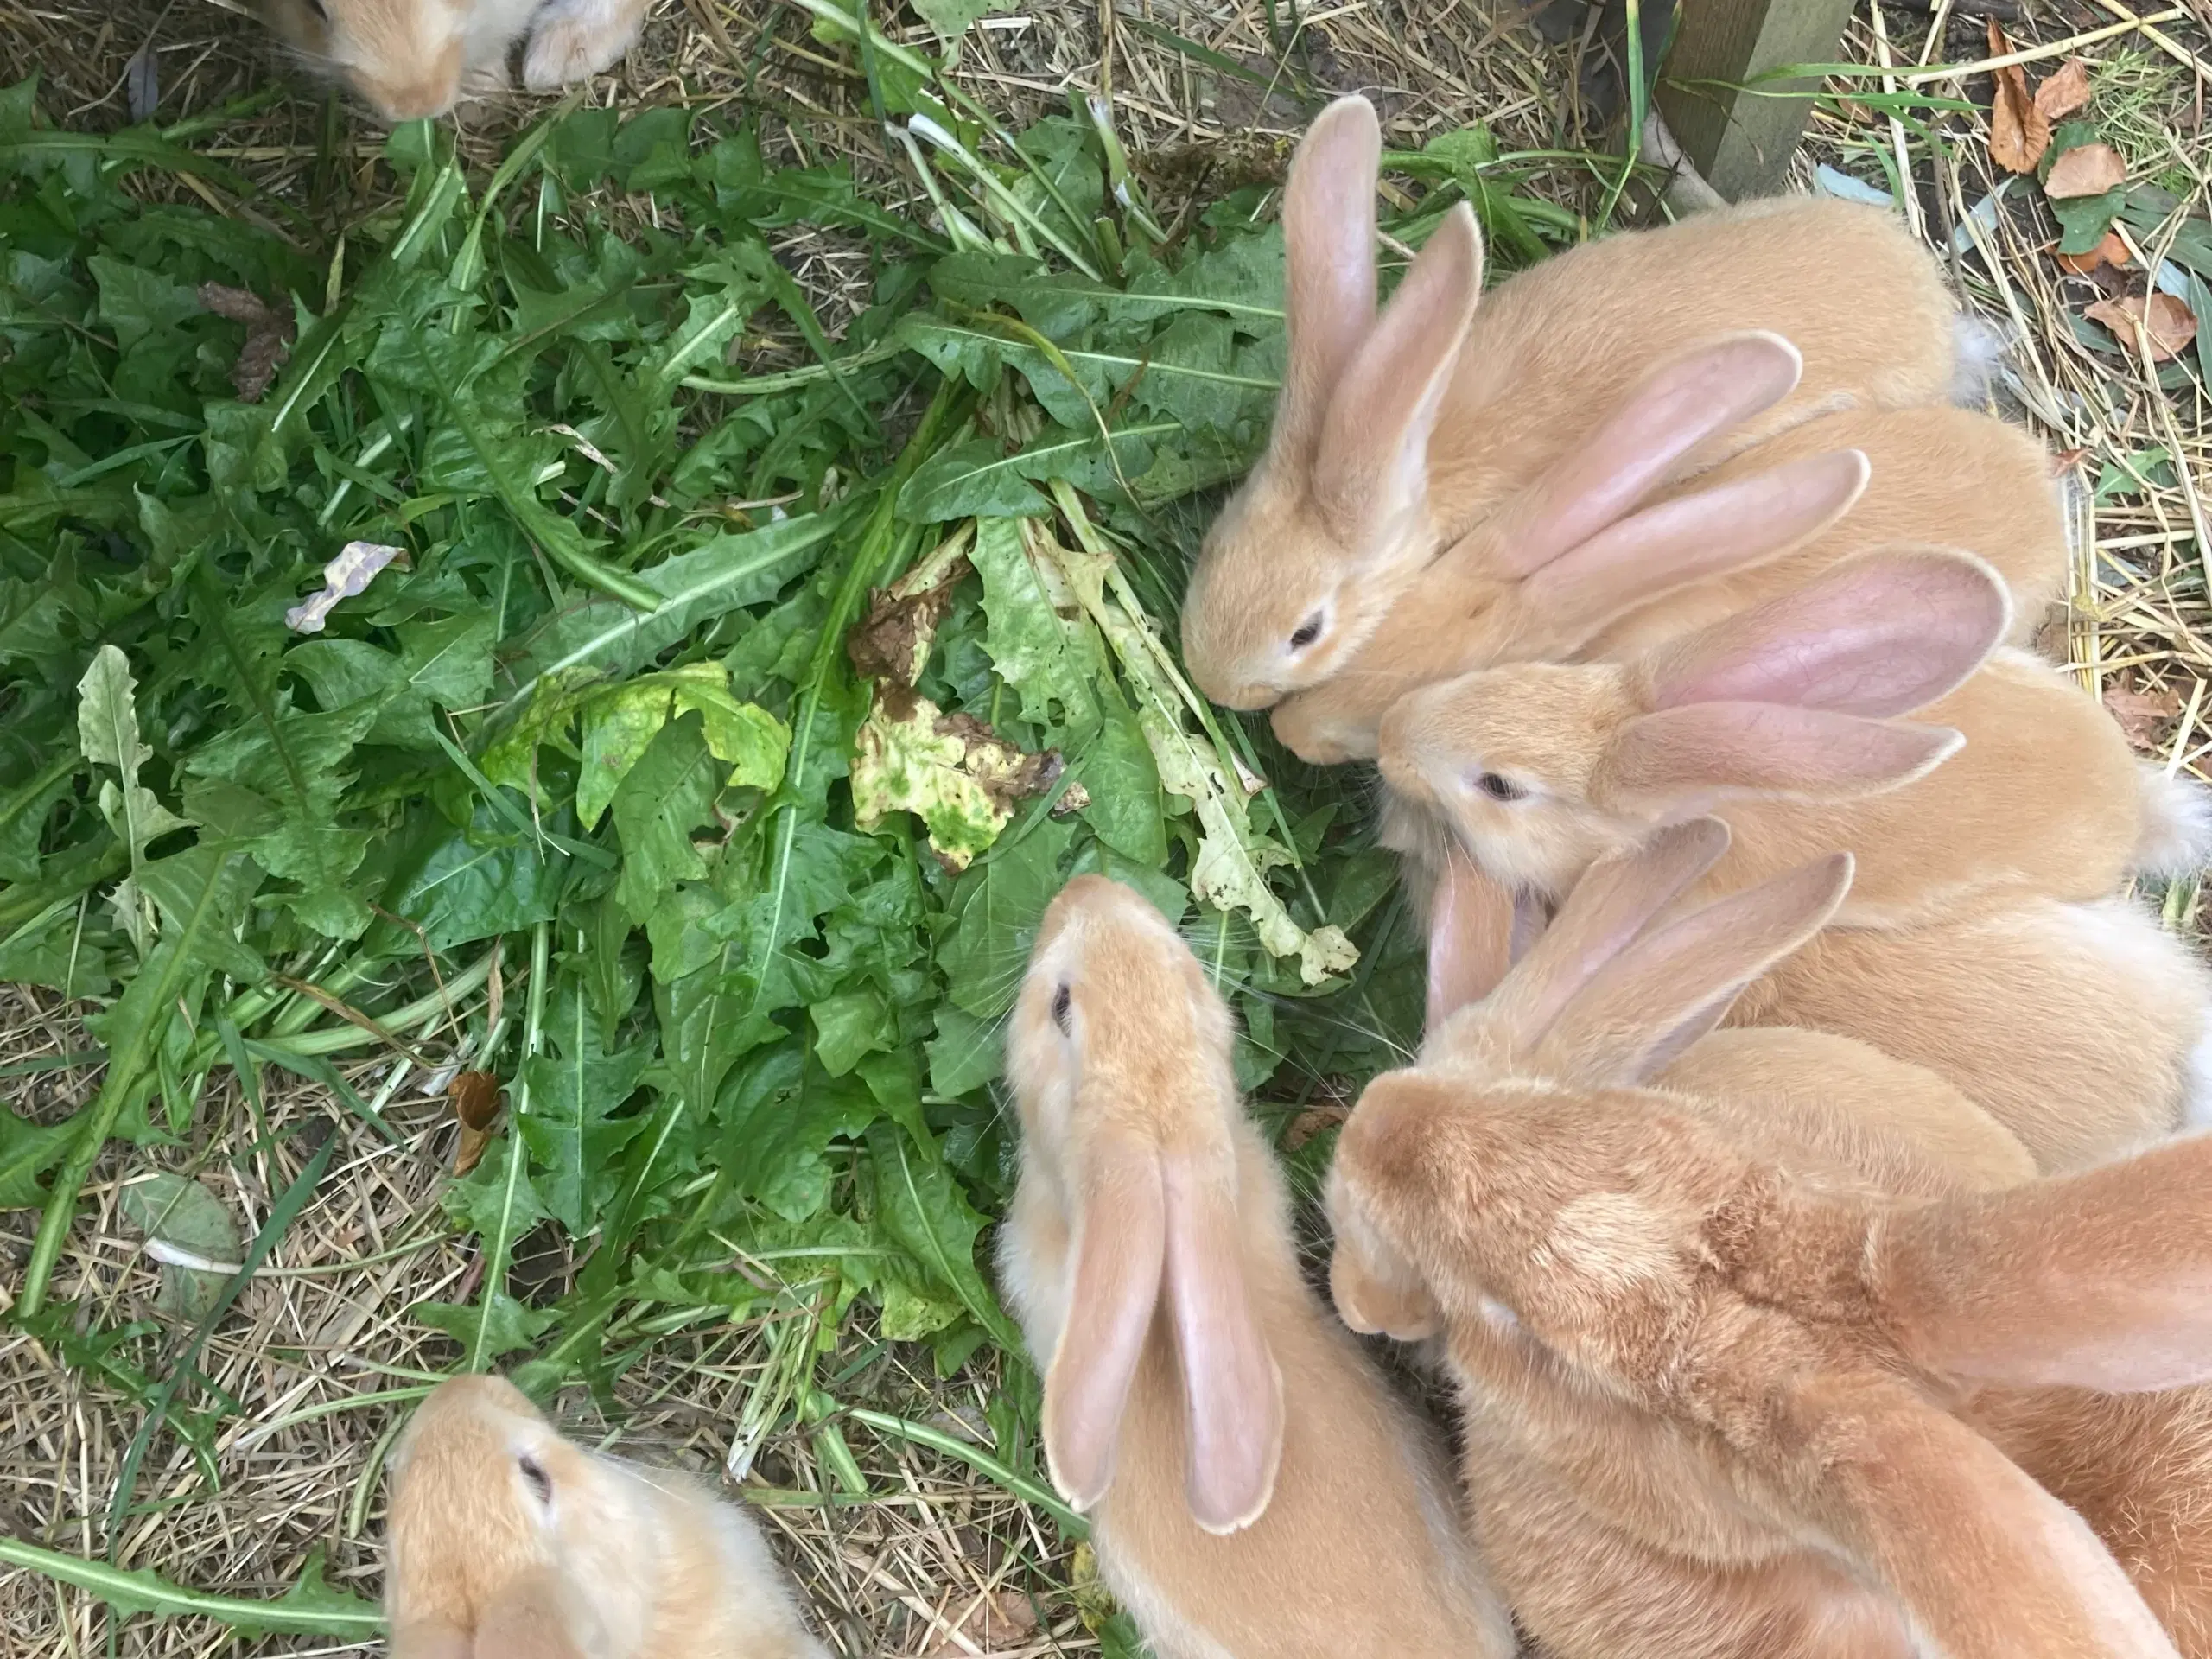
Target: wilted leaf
{"points": [[142, 82], [475, 1098], [2163, 325], [191, 1233], [2142, 713], [892, 643], [995, 1620], [2113, 251], [2019, 131], [268, 335], [953, 772], [2065, 90], [353, 568], [2086, 170]]}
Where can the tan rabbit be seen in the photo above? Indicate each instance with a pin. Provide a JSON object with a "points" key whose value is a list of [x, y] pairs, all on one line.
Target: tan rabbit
{"points": [[1623, 576], [1255, 1490], [1713, 1298], [1394, 436], [2011, 782], [507, 1542], [410, 58]]}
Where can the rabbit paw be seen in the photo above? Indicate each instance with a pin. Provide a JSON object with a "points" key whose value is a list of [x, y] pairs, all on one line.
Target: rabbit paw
{"points": [[574, 38]]}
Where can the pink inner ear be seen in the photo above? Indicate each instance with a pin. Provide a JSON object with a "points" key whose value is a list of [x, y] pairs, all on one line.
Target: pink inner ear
{"points": [[1471, 930], [1730, 527], [1232, 1389], [1118, 1252], [1675, 408], [1329, 233], [1768, 747], [1877, 635]]}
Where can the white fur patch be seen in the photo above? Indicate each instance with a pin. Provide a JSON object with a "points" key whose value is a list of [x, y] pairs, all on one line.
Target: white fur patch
{"points": [[1977, 352], [2176, 835]]}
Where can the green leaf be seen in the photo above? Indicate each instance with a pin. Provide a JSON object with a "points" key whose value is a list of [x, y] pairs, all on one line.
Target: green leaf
{"points": [[28, 1150], [1053, 660], [310, 1608], [668, 793], [966, 1052], [1123, 784], [570, 1126], [993, 916], [951, 18], [920, 1207], [185, 1219], [850, 1025], [781, 1115]]}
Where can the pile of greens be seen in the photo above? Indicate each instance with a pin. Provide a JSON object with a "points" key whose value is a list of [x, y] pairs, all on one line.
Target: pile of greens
{"points": [[690, 752]]}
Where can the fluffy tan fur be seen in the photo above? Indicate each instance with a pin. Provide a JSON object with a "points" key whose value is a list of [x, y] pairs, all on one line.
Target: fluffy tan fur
{"points": [[1727, 1318], [1357, 1547], [1395, 437], [507, 1541]]}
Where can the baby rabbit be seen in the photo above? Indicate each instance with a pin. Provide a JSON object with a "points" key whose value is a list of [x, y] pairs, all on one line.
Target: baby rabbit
{"points": [[1778, 718], [1254, 1488], [509, 1542], [410, 58], [1394, 437], [1607, 573], [1713, 1298]]}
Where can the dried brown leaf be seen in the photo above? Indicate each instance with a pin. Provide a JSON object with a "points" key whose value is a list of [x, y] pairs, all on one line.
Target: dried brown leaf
{"points": [[2113, 251], [2019, 131], [2158, 323], [2065, 90], [268, 335], [2086, 170], [995, 1620], [475, 1099], [2141, 713]]}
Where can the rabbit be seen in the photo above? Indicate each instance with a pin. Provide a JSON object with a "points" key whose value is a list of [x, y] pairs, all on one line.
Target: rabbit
{"points": [[1609, 575], [2010, 781], [1396, 436], [413, 58], [1775, 717], [1713, 1298], [1254, 1487], [507, 1542]]}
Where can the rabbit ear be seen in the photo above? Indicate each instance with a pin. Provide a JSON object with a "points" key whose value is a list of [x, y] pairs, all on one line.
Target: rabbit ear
{"points": [[1372, 467], [1876, 636], [1732, 526], [1676, 407], [1609, 906], [1328, 216], [1642, 1009], [529, 1619], [1766, 747], [2098, 1280], [1989, 1564], [1377, 1291], [1470, 937], [1232, 1388], [1119, 1249]]}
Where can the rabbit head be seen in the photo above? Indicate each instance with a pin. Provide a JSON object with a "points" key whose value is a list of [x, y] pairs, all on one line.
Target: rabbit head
{"points": [[1119, 1056], [1572, 554], [503, 1531], [1541, 769], [1304, 558]]}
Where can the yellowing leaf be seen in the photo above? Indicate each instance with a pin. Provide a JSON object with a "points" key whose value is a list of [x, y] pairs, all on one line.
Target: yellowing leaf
{"points": [[953, 772], [619, 722], [2085, 170]]}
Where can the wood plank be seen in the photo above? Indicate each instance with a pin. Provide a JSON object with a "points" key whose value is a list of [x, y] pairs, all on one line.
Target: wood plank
{"points": [[1741, 141]]}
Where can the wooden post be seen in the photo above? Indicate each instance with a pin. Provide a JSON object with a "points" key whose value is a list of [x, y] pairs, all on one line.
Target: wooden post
{"points": [[1741, 141]]}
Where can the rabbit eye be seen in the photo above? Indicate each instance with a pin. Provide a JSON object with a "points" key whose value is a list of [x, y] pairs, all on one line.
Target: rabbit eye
{"points": [[1308, 631], [540, 1482], [1499, 787], [1060, 1000]]}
